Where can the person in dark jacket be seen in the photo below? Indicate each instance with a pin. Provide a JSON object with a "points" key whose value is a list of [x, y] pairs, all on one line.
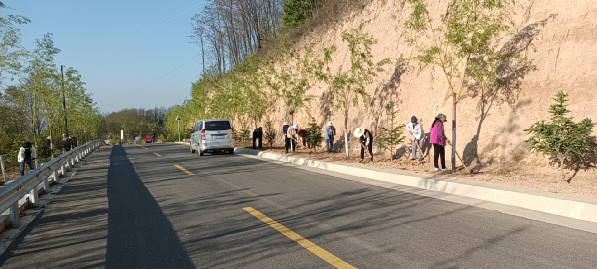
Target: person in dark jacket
{"points": [[258, 135], [74, 142], [286, 139], [365, 140], [27, 154], [154, 136]]}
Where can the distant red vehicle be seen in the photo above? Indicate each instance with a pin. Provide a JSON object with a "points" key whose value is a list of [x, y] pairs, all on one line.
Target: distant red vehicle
{"points": [[148, 139]]}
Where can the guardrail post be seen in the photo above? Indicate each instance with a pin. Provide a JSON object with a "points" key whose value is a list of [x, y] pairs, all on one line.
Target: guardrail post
{"points": [[3, 169], [68, 165], [62, 171], [36, 164], [46, 185], [34, 196], [14, 215], [55, 175]]}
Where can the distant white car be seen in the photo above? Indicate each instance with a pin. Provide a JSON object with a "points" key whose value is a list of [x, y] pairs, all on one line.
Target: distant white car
{"points": [[211, 136]]}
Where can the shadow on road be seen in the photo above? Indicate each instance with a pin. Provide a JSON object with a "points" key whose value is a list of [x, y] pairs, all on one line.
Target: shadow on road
{"points": [[139, 234]]}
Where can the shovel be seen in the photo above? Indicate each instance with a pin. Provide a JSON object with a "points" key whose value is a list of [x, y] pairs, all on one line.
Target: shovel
{"points": [[458, 155]]}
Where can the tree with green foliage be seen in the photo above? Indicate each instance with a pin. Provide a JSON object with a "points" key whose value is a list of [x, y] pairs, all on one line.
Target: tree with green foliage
{"points": [[464, 42], [315, 137], [562, 138], [290, 79], [270, 134], [389, 138], [349, 86], [11, 52], [297, 11]]}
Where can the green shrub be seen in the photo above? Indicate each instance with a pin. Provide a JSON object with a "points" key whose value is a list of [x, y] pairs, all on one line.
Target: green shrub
{"points": [[297, 11], [388, 139], [562, 139], [270, 134], [315, 136]]}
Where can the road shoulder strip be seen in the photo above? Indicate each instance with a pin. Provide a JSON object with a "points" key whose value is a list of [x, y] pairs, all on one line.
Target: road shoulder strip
{"points": [[555, 204]]}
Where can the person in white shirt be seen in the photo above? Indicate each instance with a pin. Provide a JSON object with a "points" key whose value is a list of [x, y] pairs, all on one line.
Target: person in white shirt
{"points": [[418, 136], [27, 154]]}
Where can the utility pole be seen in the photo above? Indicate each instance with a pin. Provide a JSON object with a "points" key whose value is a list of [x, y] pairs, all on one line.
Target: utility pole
{"points": [[178, 120], [64, 101]]}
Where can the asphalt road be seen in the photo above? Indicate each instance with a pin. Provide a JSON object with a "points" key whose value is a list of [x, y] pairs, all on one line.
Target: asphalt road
{"points": [[129, 207]]}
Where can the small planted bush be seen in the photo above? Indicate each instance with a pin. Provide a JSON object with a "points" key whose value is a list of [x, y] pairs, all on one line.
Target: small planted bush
{"points": [[562, 139]]}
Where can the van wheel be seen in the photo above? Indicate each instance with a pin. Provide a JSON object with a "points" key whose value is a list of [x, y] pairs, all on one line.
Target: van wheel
{"points": [[230, 151], [192, 150], [201, 152]]}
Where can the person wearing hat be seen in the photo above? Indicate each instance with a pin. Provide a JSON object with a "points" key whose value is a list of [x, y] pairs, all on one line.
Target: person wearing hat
{"points": [[365, 140], [286, 139], [437, 137], [415, 129], [292, 135], [330, 132]]}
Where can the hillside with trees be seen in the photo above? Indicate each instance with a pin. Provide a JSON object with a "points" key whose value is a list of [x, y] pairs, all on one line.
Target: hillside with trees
{"points": [[491, 66]]}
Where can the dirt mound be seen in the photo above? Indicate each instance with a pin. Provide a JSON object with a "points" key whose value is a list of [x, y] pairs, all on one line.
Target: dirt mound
{"points": [[556, 35]]}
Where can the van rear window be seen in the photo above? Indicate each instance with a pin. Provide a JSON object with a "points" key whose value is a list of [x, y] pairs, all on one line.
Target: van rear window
{"points": [[217, 125]]}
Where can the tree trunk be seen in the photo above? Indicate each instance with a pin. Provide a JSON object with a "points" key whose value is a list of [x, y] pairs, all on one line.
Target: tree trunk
{"points": [[562, 169], [51, 143], [454, 132], [346, 130]]}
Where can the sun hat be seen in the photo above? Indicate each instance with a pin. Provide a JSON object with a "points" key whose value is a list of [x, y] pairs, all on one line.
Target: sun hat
{"points": [[330, 123], [413, 119], [295, 126], [285, 123], [358, 132], [441, 116]]}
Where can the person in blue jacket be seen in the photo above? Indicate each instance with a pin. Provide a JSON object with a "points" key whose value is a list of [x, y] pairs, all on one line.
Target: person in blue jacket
{"points": [[286, 139], [330, 132]]}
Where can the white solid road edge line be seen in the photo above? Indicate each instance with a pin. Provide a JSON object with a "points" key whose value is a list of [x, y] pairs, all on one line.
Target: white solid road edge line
{"points": [[571, 207]]}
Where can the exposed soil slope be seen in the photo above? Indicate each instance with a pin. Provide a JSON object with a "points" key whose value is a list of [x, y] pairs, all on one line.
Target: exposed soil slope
{"points": [[557, 35]]}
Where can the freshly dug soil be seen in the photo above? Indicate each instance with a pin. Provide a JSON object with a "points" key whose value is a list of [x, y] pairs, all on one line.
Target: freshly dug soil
{"points": [[546, 179]]}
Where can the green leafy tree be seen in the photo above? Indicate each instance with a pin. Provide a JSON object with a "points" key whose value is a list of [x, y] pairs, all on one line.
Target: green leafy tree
{"points": [[389, 138], [463, 42], [270, 134], [349, 86], [297, 11], [11, 52], [315, 137], [562, 138], [291, 79]]}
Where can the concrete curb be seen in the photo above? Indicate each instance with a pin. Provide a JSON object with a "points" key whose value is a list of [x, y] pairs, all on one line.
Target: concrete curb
{"points": [[556, 204]]}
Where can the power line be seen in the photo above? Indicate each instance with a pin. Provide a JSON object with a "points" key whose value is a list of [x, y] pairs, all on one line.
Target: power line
{"points": [[152, 82], [168, 18]]}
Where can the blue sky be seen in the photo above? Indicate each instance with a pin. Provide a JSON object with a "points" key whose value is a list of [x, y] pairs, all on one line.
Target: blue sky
{"points": [[120, 46]]}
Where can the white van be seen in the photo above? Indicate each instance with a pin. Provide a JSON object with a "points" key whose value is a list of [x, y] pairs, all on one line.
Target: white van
{"points": [[211, 136]]}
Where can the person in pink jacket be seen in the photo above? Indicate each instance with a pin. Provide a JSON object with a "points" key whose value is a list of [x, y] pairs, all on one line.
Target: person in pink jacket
{"points": [[438, 139]]}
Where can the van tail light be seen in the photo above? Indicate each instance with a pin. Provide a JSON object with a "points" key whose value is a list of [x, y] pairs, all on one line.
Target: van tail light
{"points": [[203, 134], [232, 133]]}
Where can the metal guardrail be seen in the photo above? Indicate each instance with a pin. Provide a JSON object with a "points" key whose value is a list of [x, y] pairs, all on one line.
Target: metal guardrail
{"points": [[28, 184]]}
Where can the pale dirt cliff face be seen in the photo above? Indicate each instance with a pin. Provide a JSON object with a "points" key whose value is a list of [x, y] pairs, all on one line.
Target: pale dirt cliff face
{"points": [[558, 36]]}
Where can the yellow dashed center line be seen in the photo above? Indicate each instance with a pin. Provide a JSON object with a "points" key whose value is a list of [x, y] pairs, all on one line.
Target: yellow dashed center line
{"points": [[184, 170], [157, 154], [141, 146], [320, 252]]}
